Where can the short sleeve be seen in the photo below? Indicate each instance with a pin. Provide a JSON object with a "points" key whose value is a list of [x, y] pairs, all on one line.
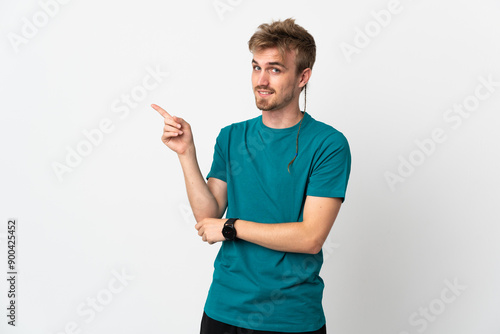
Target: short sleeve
{"points": [[218, 169], [331, 168]]}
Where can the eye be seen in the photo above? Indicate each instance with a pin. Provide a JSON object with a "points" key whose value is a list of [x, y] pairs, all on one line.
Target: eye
{"points": [[256, 68], [276, 70]]}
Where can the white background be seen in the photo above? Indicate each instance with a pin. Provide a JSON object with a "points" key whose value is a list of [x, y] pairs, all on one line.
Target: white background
{"points": [[123, 207]]}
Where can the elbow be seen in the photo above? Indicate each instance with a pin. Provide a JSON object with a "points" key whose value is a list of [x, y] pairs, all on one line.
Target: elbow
{"points": [[314, 250], [313, 246], [210, 211]]}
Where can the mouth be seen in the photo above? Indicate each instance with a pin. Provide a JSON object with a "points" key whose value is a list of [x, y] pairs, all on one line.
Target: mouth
{"points": [[264, 93]]}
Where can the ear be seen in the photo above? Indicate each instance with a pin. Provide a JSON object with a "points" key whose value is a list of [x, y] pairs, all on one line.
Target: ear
{"points": [[304, 77]]}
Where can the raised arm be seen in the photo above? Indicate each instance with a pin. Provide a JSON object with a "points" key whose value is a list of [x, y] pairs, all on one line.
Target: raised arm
{"points": [[207, 199]]}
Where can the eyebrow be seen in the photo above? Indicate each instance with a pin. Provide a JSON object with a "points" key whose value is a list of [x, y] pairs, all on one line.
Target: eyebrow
{"points": [[273, 63]]}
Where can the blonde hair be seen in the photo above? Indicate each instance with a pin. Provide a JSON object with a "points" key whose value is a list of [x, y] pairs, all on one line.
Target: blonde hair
{"points": [[286, 36]]}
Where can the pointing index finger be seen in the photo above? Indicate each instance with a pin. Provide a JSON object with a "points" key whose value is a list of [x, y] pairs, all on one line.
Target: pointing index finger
{"points": [[161, 111]]}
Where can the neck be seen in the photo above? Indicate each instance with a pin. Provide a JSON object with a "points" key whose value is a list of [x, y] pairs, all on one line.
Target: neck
{"points": [[283, 118]]}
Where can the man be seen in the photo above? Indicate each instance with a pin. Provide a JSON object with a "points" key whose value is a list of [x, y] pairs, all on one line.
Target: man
{"points": [[282, 177]]}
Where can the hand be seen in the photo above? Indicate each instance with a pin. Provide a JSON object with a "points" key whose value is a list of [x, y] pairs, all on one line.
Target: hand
{"points": [[210, 230], [177, 133]]}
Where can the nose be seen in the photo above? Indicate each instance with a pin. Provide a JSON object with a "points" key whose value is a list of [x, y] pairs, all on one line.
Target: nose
{"points": [[263, 79]]}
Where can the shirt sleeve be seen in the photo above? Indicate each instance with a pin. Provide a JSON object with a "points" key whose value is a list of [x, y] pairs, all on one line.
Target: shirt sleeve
{"points": [[331, 168], [218, 169]]}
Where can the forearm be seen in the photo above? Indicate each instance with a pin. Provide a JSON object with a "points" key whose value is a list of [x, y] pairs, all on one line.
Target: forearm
{"points": [[296, 237], [201, 199], [307, 236], [177, 136]]}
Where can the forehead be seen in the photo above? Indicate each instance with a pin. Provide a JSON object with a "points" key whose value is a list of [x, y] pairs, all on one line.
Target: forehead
{"points": [[272, 55]]}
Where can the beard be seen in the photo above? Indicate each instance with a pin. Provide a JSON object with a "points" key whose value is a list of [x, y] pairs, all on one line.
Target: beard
{"points": [[273, 103]]}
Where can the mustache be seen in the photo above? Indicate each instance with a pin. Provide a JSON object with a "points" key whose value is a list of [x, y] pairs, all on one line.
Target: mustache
{"points": [[264, 88]]}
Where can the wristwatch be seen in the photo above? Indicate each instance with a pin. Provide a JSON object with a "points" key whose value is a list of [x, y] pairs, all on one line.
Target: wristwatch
{"points": [[229, 232]]}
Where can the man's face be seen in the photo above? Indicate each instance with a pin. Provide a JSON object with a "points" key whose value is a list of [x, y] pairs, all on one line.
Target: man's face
{"points": [[274, 80]]}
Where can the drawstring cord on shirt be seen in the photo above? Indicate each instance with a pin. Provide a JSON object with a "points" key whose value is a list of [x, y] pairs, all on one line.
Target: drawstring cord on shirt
{"points": [[300, 124]]}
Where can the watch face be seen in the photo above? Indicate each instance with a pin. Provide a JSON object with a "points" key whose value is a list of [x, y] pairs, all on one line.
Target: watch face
{"points": [[228, 232]]}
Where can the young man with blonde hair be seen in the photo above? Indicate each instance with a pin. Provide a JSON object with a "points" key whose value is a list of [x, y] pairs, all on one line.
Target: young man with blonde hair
{"points": [[282, 177]]}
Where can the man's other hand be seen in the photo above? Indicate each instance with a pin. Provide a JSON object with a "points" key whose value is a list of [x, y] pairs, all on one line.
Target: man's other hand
{"points": [[210, 230]]}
